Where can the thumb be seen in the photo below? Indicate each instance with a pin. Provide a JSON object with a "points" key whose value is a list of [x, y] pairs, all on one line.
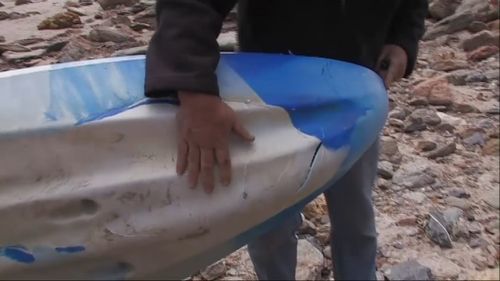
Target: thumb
{"points": [[242, 131]]}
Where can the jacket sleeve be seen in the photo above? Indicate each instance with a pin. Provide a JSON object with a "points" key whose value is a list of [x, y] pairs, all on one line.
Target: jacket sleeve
{"points": [[183, 52], [408, 27]]}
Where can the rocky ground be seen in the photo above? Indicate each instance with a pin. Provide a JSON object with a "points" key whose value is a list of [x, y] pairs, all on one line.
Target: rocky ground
{"points": [[437, 195]]}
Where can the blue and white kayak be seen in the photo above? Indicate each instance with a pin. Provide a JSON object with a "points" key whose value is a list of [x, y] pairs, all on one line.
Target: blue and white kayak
{"points": [[88, 188]]}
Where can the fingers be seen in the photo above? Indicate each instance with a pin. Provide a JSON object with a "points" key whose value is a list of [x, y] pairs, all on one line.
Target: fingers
{"points": [[194, 164], [242, 131], [207, 169], [224, 162], [182, 154]]}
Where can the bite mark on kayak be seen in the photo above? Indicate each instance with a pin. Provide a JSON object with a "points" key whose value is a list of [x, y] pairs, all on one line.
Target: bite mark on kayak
{"points": [[309, 171]]}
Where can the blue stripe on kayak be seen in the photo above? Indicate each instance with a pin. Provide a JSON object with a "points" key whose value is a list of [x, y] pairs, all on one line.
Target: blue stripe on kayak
{"points": [[320, 96]]}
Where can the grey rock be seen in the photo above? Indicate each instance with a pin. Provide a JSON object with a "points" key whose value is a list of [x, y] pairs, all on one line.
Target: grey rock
{"points": [[4, 15], [13, 48], [449, 65], [459, 193], [2, 39], [458, 77], [474, 6], [108, 34], [22, 2], [109, 4], [396, 123], [428, 116], [441, 226], [85, 2], [492, 198], [14, 56], [398, 113], [30, 41], [475, 228], [141, 50], [409, 270], [413, 125], [413, 179], [458, 202], [385, 169], [477, 26], [214, 271], [493, 74], [56, 46], [389, 150], [442, 151], [477, 138], [464, 108], [426, 145], [327, 252], [440, 9], [480, 39], [309, 262], [478, 243], [417, 197], [74, 51], [451, 24], [475, 78]]}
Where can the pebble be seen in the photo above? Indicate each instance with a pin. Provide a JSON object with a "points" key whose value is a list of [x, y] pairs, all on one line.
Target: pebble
{"points": [[309, 262], [477, 26], [475, 228], [460, 203], [428, 116], [409, 270], [442, 151], [214, 271], [2, 39], [440, 226], [459, 193], [426, 145], [476, 138], [492, 198], [108, 34], [14, 56], [417, 197], [477, 243], [22, 2], [413, 175], [327, 252], [389, 150], [480, 39], [385, 169], [411, 126], [60, 21], [85, 2], [13, 48], [398, 113]]}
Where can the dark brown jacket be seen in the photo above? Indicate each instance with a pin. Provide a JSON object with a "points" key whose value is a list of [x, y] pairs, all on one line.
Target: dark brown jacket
{"points": [[183, 52]]}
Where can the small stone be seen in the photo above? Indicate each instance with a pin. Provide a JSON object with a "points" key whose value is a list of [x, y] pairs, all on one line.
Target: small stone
{"points": [[109, 4], [492, 147], [398, 113], [13, 48], [22, 2], [476, 138], [1, 5], [108, 34], [428, 116], [414, 180], [4, 15], [139, 26], [2, 39], [459, 193], [307, 227], [383, 184], [492, 198], [417, 197], [327, 252], [214, 271], [451, 120], [477, 243], [426, 145], [457, 77], [309, 261], [483, 38], [85, 2], [56, 46], [443, 151], [459, 203], [30, 41], [492, 74], [475, 78], [440, 95], [75, 50], [385, 169], [13, 56], [131, 51], [410, 221], [396, 123], [60, 21], [418, 101], [442, 268], [449, 65], [414, 125], [16, 15], [475, 228], [449, 25], [440, 226], [409, 270], [464, 108], [482, 53], [389, 150], [71, 4], [477, 26], [77, 11]]}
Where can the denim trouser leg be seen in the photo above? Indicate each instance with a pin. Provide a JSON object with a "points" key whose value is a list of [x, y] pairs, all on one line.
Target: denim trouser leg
{"points": [[354, 243]]}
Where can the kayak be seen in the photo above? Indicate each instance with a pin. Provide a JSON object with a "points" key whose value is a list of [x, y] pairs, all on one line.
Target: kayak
{"points": [[88, 188]]}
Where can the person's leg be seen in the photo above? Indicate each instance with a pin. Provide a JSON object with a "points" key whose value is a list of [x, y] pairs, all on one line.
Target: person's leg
{"points": [[274, 254], [354, 237]]}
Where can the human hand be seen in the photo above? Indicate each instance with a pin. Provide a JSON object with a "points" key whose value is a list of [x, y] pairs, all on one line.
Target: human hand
{"points": [[391, 64]]}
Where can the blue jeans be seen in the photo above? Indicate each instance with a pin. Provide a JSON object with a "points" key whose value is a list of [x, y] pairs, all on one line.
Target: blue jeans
{"points": [[354, 238]]}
